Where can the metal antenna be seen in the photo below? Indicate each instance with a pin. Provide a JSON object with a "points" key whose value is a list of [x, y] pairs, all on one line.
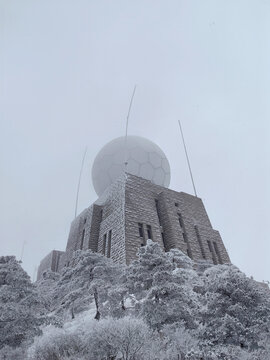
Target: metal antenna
{"points": [[187, 158], [129, 109], [34, 274], [24, 242], [79, 182]]}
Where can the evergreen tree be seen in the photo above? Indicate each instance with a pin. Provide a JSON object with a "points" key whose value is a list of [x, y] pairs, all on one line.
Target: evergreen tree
{"points": [[211, 314], [140, 274], [87, 280], [236, 309], [46, 288], [171, 300], [21, 311]]}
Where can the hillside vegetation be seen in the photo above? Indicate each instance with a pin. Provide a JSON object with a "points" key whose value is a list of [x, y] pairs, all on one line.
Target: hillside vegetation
{"points": [[161, 307]]}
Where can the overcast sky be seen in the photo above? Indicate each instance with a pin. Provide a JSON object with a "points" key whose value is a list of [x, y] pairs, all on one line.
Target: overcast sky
{"points": [[67, 71]]}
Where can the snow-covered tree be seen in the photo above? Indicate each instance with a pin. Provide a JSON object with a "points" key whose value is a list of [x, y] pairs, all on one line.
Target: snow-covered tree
{"points": [[171, 299], [86, 339], [180, 259], [11, 353], [21, 311], [161, 307], [236, 310], [140, 274], [46, 288], [163, 285], [126, 338], [116, 297], [57, 344], [87, 280], [180, 342]]}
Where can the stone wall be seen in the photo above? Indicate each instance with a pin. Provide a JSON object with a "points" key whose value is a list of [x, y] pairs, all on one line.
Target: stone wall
{"points": [[140, 208], [113, 219], [84, 232], [50, 262], [178, 220]]}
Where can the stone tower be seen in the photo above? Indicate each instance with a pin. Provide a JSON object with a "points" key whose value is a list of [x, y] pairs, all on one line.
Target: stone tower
{"points": [[133, 209]]}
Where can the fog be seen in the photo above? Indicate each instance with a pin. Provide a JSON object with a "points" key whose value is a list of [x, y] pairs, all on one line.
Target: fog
{"points": [[67, 72]]}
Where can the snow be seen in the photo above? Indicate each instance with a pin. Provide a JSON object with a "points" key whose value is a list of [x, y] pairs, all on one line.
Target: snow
{"points": [[159, 307]]}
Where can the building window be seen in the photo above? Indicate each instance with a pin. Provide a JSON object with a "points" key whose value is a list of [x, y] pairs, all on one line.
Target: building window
{"points": [[181, 222], [141, 232], [82, 239], [176, 204], [217, 252], [109, 244], [212, 252], [84, 220], [149, 232], [104, 244], [159, 220], [57, 262], [185, 237], [189, 252], [199, 241], [163, 240]]}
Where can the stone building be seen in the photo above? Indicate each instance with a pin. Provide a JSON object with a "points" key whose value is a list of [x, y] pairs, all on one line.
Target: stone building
{"points": [[133, 209], [50, 262]]}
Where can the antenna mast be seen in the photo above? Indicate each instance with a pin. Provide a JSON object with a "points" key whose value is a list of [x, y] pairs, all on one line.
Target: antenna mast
{"points": [[129, 109], [22, 252], [187, 158], [34, 274], [79, 182]]}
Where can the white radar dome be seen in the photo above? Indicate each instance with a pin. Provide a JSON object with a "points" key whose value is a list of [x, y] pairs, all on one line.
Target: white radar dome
{"points": [[142, 157]]}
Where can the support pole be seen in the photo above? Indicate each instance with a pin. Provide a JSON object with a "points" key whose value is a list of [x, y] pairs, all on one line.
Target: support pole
{"points": [[127, 122], [34, 274], [22, 252], [79, 182], [187, 158]]}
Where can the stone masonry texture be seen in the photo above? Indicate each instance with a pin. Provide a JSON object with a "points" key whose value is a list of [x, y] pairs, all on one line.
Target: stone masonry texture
{"points": [[132, 210], [50, 262]]}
